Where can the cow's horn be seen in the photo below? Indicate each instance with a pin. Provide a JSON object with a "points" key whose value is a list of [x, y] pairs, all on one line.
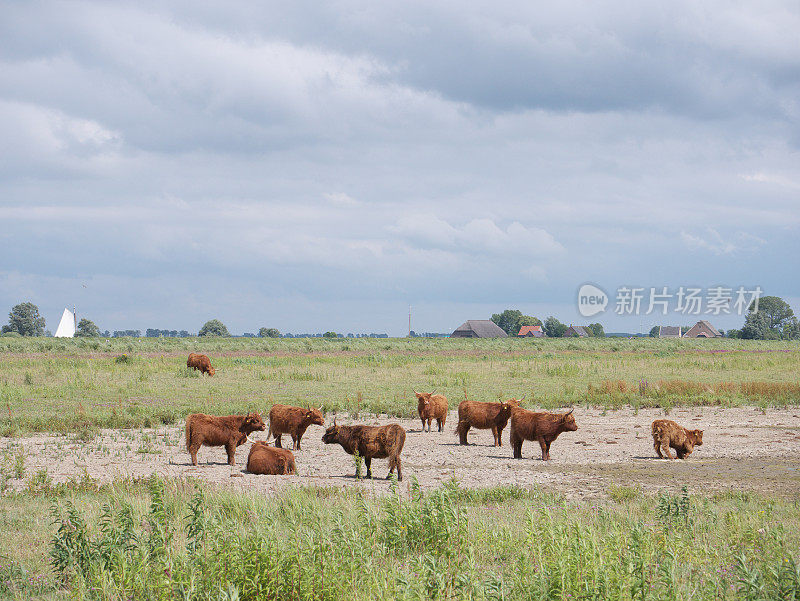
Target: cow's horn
{"points": [[570, 411]]}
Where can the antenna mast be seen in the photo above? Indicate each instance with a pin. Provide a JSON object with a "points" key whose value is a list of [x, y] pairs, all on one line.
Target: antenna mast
{"points": [[409, 320]]}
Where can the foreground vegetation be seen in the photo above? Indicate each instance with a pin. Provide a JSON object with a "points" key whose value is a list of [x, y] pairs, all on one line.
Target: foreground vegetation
{"points": [[77, 385], [158, 540]]}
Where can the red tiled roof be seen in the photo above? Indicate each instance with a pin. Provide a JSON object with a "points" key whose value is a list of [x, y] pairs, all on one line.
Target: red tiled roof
{"points": [[525, 329]]}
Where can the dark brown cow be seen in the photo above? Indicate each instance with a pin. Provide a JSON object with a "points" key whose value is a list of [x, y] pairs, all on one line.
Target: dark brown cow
{"points": [[220, 430], [270, 461], [371, 442], [542, 427], [285, 419], [484, 416], [666, 434], [201, 362], [432, 406]]}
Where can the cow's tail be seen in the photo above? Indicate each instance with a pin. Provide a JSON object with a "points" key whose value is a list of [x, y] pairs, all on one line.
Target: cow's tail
{"points": [[188, 431]]}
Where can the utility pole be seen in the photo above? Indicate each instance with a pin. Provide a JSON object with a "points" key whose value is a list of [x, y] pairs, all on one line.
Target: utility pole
{"points": [[409, 321]]}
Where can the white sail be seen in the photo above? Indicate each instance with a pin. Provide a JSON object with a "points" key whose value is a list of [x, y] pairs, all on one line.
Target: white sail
{"points": [[66, 327]]}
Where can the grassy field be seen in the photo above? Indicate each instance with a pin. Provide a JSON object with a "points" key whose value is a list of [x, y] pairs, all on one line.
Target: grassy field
{"points": [[155, 540], [79, 385]]}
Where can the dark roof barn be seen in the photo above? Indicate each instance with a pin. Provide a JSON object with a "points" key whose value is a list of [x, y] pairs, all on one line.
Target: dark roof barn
{"points": [[479, 328]]}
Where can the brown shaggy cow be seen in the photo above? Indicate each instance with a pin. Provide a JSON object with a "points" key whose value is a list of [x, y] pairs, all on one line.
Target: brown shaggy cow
{"points": [[666, 434], [543, 427], [201, 362], [270, 461], [220, 430], [483, 416], [285, 419], [371, 442], [432, 406]]}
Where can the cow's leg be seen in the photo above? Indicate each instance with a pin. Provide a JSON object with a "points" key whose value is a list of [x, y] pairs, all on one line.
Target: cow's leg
{"points": [[278, 441], [665, 449], [422, 419], [399, 470], [193, 452], [368, 463], [657, 447], [516, 445], [548, 449], [230, 447], [439, 424], [494, 433], [296, 442], [430, 419], [463, 428], [499, 437], [543, 445]]}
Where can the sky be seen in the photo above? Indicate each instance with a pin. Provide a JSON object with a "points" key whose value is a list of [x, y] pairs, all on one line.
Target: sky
{"points": [[322, 166]]}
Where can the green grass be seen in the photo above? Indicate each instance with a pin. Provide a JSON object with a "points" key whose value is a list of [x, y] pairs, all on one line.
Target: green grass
{"points": [[79, 385], [168, 540]]}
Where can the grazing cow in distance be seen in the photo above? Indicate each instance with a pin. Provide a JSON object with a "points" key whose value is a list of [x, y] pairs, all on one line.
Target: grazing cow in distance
{"points": [[200, 362], [220, 430], [484, 416], [270, 461], [432, 406], [542, 427], [666, 434], [285, 419], [370, 442]]}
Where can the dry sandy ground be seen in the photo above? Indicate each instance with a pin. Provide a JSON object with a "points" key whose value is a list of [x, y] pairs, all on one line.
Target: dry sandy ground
{"points": [[744, 449]]}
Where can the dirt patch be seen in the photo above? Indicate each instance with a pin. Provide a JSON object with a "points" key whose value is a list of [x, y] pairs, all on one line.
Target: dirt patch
{"points": [[744, 449]]}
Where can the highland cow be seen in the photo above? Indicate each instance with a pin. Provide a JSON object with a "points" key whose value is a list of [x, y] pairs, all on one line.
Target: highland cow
{"points": [[285, 419], [432, 406], [270, 461], [484, 416], [200, 362], [370, 442], [220, 430], [666, 434], [542, 427]]}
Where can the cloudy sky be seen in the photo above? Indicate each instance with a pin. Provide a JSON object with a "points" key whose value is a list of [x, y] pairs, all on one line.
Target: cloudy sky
{"points": [[314, 166]]}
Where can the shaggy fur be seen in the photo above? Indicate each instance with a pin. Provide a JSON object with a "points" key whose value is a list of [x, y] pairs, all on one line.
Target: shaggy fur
{"points": [[666, 434], [270, 461], [371, 442], [285, 419], [542, 427], [432, 406], [484, 416], [220, 430], [201, 362]]}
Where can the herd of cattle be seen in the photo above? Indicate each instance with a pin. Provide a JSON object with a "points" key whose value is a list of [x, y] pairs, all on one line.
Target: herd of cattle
{"points": [[386, 442]]}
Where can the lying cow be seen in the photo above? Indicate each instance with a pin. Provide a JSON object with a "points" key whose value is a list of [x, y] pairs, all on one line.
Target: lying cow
{"points": [[270, 461], [200, 362], [432, 406], [666, 434], [370, 442], [220, 430], [484, 416], [285, 419], [542, 427]]}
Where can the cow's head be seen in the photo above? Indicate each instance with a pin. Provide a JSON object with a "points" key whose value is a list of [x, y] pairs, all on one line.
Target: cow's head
{"points": [[331, 435], [568, 421], [253, 422], [698, 437], [211, 372], [314, 416], [424, 398]]}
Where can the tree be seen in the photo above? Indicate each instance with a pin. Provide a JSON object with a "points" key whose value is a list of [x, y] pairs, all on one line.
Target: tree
{"points": [[214, 327], [87, 329], [554, 328], [269, 333], [771, 319], [330, 335], [654, 332], [597, 330], [734, 333], [24, 319], [529, 320], [508, 321]]}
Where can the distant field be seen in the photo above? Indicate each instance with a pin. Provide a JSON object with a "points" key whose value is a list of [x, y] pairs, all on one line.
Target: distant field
{"points": [[79, 385]]}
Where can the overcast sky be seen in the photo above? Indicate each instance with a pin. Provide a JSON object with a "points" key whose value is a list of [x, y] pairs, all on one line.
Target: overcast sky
{"points": [[322, 165]]}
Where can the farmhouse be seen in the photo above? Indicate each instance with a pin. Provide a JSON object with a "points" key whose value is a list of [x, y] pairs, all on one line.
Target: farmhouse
{"points": [[669, 331], [702, 329], [577, 331], [479, 328], [531, 332]]}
